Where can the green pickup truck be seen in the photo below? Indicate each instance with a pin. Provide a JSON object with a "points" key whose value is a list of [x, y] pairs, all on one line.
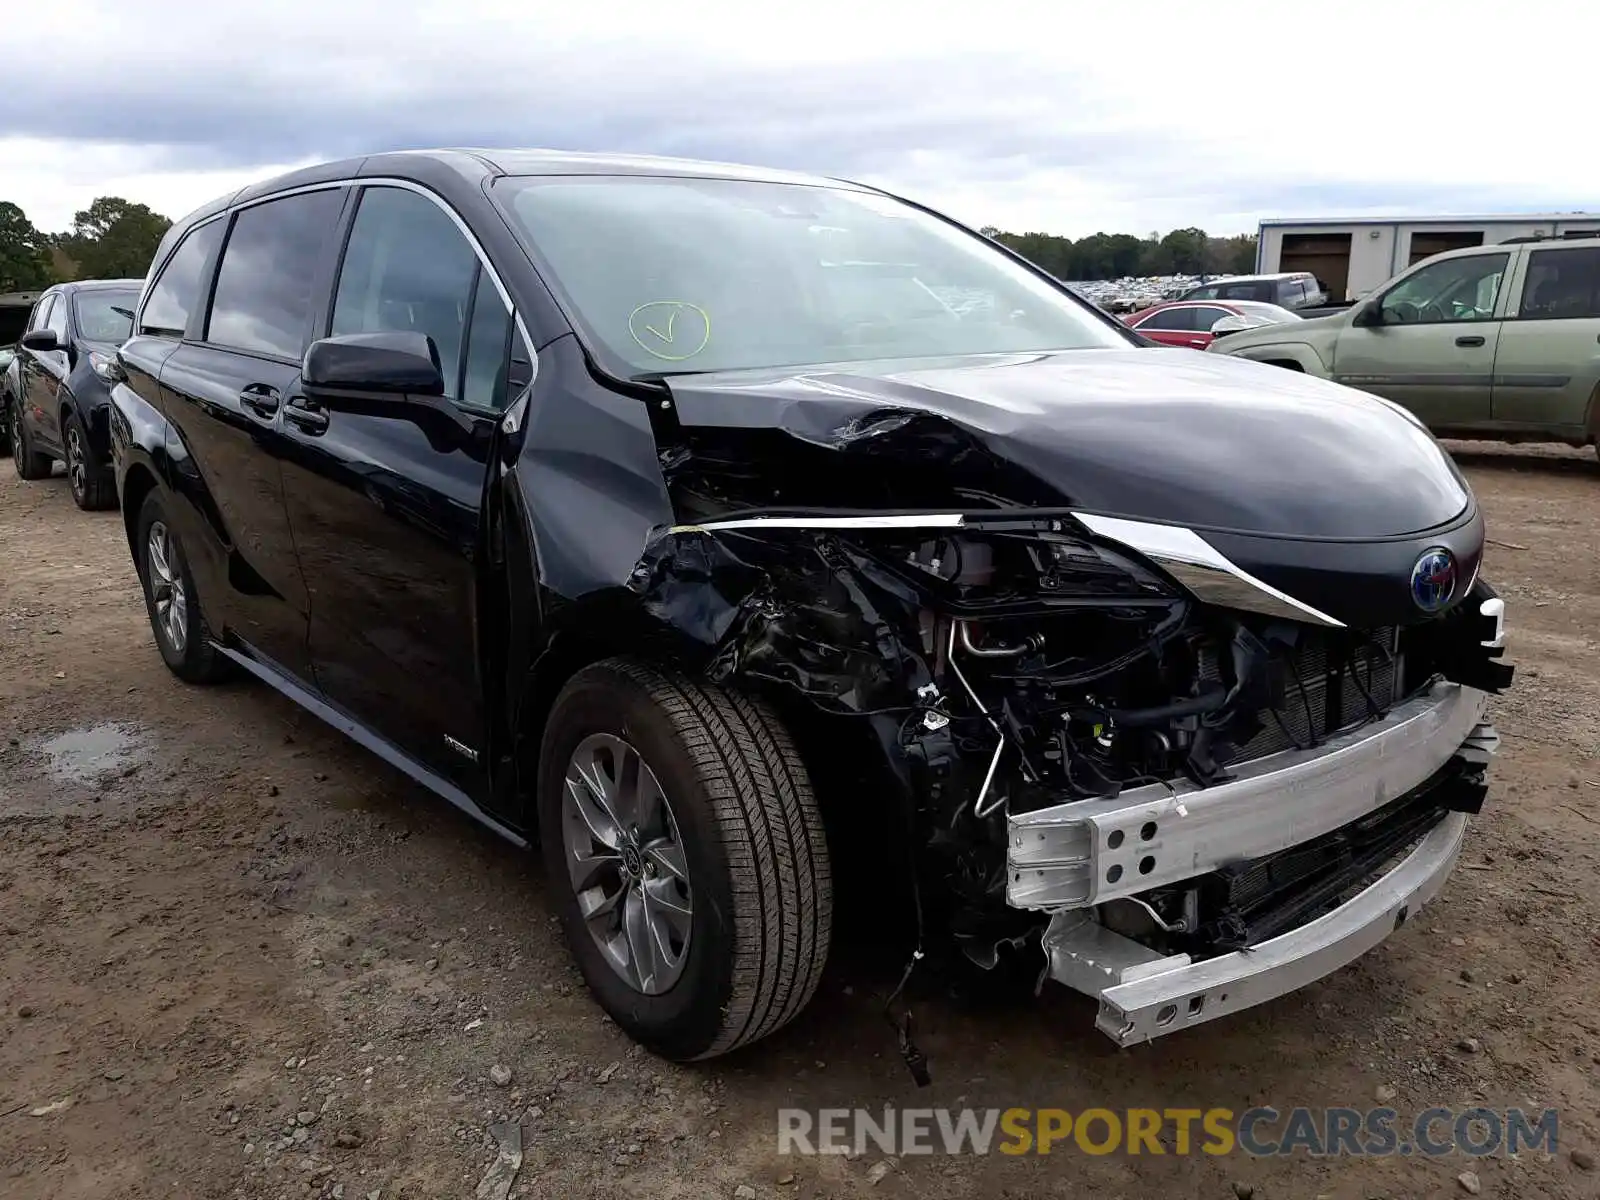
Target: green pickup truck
{"points": [[1495, 341]]}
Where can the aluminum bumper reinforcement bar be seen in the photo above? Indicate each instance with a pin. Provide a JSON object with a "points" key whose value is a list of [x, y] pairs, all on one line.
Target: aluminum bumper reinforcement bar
{"points": [[1085, 852]]}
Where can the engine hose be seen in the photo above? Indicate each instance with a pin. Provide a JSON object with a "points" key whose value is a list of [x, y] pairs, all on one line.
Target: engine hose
{"points": [[1208, 701]]}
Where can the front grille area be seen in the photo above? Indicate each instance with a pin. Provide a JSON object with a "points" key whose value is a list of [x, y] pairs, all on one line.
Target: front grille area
{"points": [[1324, 683]]}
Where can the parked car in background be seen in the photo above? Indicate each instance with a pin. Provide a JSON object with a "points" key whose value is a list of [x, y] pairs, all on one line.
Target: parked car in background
{"points": [[1193, 323], [8, 355], [1290, 289], [66, 360], [14, 309], [639, 508], [1498, 341]]}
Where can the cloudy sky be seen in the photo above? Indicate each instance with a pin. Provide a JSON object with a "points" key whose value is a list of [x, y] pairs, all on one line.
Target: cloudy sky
{"points": [[1067, 117]]}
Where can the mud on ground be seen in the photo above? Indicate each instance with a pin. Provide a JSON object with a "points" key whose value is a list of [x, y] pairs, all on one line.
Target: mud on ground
{"points": [[241, 957]]}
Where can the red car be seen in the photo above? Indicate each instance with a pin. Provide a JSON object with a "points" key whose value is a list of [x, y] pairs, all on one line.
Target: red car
{"points": [[1190, 322]]}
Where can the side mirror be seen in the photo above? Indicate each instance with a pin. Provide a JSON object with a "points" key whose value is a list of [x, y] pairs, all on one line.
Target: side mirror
{"points": [[41, 341], [1233, 324], [395, 363], [1368, 315]]}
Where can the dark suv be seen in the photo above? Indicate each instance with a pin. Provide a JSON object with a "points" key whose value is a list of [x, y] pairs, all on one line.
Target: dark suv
{"points": [[1287, 289], [719, 528], [66, 361]]}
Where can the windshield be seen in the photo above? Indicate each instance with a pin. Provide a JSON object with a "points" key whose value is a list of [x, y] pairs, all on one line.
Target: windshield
{"points": [[106, 316], [674, 274]]}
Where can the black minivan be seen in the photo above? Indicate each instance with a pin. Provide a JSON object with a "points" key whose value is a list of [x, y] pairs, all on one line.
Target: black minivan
{"points": [[716, 527]]}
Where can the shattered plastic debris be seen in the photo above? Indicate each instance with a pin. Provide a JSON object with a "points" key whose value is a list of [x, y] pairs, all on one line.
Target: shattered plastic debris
{"points": [[502, 1173]]}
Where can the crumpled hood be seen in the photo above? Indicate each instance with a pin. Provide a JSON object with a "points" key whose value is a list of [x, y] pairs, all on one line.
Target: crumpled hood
{"points": [[1203, 440]]}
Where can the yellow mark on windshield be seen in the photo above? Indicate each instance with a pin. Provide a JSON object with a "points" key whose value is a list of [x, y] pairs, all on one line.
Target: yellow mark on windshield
{"points": [[670, 329]]}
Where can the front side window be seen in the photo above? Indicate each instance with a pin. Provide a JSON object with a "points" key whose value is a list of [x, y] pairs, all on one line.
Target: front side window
{"points": [[488, 352], [269, 267], [56, 322], [105, 316], [1454, 289], [683, 274], [1562, 284], [176, 293], [409, 268], [1205, 318], [1169, 320], [41, 312]]}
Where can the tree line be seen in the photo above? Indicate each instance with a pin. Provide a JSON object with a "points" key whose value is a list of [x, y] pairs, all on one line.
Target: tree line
{"points": [[111, 239], [116, 239], [1118, 255]]}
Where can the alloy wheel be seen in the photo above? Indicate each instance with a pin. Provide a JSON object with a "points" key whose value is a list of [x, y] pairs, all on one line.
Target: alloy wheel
{"points": [[77, 466], [166, 588], [626, 863]]}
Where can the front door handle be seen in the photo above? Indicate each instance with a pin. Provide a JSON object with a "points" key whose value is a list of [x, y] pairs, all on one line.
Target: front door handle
{"points": [[260, 399], [1469, 339], [308, 418]]}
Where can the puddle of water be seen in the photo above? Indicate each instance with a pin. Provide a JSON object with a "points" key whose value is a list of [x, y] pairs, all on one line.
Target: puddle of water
{"points": [[83, 755]]}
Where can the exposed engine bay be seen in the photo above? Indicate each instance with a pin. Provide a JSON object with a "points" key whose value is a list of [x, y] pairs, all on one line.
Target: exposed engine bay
{"points": [[1011, 663]]}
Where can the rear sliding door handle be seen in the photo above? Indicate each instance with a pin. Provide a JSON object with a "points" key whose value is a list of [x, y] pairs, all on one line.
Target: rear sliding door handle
{"points": [[260, 399], [1469, 339]]}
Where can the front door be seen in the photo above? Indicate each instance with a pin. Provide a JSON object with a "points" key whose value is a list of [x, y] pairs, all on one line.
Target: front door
{"points": [[384, 496], [1548, 368], [1434, 350]]}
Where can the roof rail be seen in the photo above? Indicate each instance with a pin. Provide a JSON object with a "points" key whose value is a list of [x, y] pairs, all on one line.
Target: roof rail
{"points": [[1566, 235]]}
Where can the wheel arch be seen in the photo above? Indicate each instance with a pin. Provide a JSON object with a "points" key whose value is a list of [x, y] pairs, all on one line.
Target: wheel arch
{"points": [[137, 483], [590, 631]]}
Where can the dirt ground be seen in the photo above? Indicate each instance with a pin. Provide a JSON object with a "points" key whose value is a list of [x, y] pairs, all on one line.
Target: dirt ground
{"points": [[241, 957]]}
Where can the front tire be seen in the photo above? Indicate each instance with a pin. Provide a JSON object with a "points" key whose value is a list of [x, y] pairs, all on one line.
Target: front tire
{"points": [[92, 485], [29, 465], [686, 855], [170, 598]]}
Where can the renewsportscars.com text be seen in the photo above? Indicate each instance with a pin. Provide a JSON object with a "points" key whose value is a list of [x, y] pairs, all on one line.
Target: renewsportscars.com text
{"points": [[1261, 1131]]}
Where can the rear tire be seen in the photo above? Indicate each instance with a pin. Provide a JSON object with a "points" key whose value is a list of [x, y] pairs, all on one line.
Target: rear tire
{"points": [[92, 484], [30, 465], [176, 617], [743, 823]]}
